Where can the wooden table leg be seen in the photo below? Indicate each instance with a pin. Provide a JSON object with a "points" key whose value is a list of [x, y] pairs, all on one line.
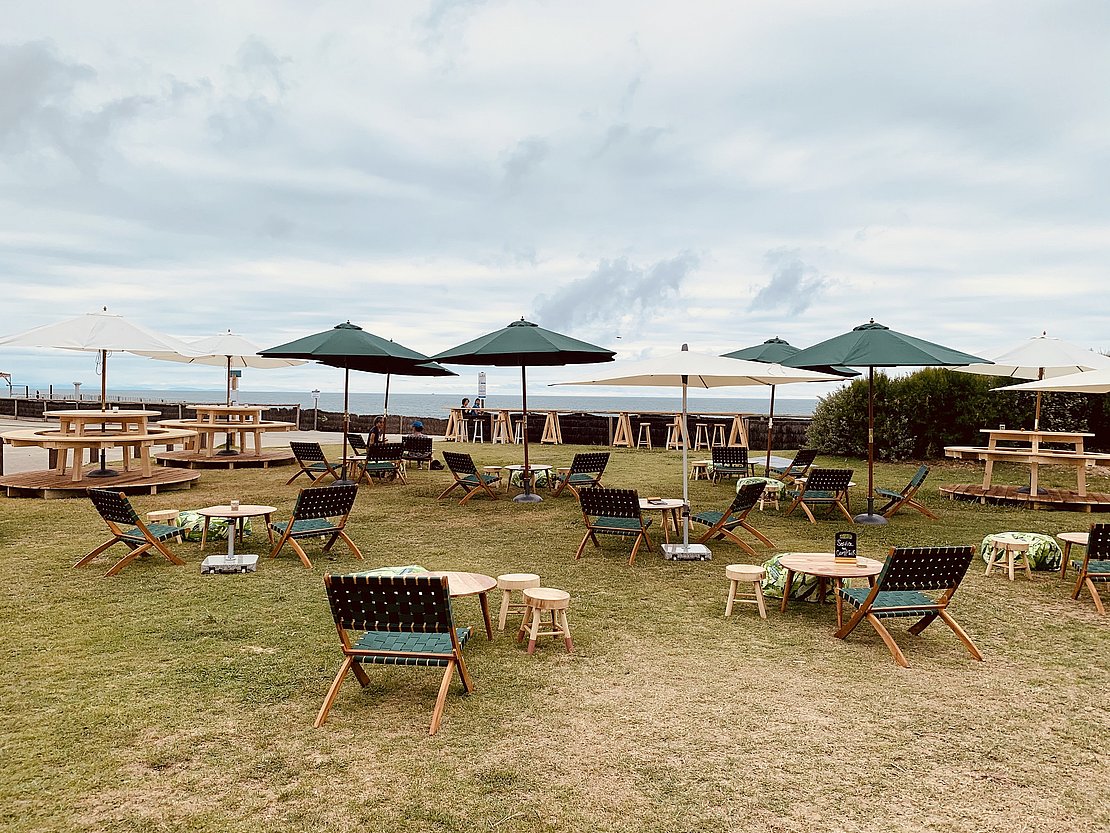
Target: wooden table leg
{"points": [[1064, 560], [839, 604], [204, 533], [1033, 471], [786, 590], [1081, 478], [269, 531], [144, 461], [484, 602]]}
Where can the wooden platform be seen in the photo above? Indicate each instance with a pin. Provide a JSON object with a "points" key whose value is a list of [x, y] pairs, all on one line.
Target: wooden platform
{"points": [[280, 456], [1047, 499], [49, 484]]}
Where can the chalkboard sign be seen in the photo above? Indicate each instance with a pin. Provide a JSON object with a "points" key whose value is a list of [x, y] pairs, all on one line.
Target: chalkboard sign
{"points": [[845, 547]]}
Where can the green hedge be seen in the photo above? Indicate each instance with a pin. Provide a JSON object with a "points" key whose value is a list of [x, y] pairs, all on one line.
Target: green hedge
{"points": [[917, 415]]}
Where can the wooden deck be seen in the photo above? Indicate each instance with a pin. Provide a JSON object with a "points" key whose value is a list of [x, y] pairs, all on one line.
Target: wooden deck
{"points": [[1046, 499], [280, 456], [49, 484]]}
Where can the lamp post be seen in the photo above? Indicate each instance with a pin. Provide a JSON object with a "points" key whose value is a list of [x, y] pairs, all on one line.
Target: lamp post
{"points": [[315, 408], [77, 391]]}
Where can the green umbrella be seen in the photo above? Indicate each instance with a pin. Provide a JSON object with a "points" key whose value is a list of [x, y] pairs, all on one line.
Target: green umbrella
{"points": [[523, 344], [352, 348], [872, 345], [777, 351]]}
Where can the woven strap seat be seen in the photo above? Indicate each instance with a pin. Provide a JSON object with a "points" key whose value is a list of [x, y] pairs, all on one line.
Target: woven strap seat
{"points": [[160, 532], [619, 526], [903, 600], [306, 528], [709, 517], [887, 493], [577, 479], [412, 643], [1099, 568]]}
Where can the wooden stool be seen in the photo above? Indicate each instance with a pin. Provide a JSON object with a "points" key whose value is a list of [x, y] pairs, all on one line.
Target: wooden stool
{"points": [[749, 574], [1005, 551], [518, 432], [699, 469], [479, 435], [718, 435], [643, 438], [507, 583], [460, 431], [701, 435], [540, 599], [676, 435], [164, 516]]}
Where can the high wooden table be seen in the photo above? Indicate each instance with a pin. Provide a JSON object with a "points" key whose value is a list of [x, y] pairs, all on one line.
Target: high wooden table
{"points": [[244, 420], [825, 567]]}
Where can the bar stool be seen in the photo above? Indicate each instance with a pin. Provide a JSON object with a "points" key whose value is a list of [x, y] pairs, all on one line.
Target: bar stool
{"points": [[164, 516], [541, 599], [718, 435], [518, 432], [479, 435], [747, 574], [701, 435], [460, 430], [676, 435], [507, 583], [643, 438]]}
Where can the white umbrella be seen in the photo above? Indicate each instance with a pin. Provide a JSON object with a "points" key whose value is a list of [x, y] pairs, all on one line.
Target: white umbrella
{"points": [[224, 349], [1040, 358], [1089, 381], [102, 333], [699, 370]]}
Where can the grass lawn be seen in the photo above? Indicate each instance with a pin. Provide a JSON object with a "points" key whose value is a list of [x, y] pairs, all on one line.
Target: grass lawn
{"points": [[163, 700]]}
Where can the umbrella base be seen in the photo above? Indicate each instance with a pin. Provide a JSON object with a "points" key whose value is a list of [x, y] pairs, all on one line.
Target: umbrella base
{"points": [[102, 473], [227, 452], [528, 497], [686, 552], [870, 519], [1025, 490]]}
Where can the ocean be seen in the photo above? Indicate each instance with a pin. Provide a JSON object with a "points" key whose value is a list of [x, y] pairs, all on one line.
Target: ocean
{"points": [[438, 405]]}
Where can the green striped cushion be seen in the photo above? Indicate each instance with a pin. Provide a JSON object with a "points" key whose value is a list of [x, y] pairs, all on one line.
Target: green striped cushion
{"points": [[619, 526], [425, 643]]}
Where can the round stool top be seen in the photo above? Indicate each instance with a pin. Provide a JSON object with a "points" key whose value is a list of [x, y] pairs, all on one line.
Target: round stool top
{"points": [[744, 572], [162, 514], [517, 581], [1074, 538], [547, 598], [1009, 540]]}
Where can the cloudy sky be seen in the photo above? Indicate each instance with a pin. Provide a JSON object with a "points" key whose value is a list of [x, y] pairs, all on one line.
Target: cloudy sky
{"points": [[637, 174]]}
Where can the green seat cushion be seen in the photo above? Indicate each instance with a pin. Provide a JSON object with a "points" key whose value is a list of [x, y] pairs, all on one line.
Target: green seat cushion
{"points": [[1044, 553], [307, 527], [425, 643], [472, 480], [619, 526], [1098, 570], [160, 532], [576, 479], [708, 517], [887, 493], [890, 598]]}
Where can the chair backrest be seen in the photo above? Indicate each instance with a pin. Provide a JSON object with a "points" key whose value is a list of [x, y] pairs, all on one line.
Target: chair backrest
{"points": [[357, 443], [917, 479], [417, 444], [401, 604], [1098, 542], [461, 464], [382, 452], [731, 457], [593, 462], [610, 503], [828, 480], [113, 506], [307, 452], [747, 496], [925, 568], [325, 502], [802, 461]]}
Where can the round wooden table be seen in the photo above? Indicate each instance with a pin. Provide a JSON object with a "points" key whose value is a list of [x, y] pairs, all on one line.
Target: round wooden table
{"points": [[825, 567], [1070, 538], [665, 505], [236, 516], [470, 584]]}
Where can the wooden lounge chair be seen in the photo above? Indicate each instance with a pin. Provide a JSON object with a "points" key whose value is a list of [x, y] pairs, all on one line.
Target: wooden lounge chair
{"points": [[321, 512], [896, 500], [1095, 566], [382, 460], [722, 524], [730, 462], [585, 471], [128, 528], [796, 468], [417, 449], [311, 459], [613, 512], [824, 487], [899, 591], [467, 477], [404, 620]]}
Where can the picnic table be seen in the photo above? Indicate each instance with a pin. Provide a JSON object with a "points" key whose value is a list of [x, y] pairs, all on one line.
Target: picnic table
{"points": [[1026, 447]]}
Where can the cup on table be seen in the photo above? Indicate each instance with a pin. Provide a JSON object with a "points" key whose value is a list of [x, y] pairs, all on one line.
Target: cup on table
{"points": [[234, 506], [1002, 427]]}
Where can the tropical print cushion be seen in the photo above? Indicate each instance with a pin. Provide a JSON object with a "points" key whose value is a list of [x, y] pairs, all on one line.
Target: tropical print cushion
{"points": [[1044, 553], [766, 481], [192, 526], [539, 479], [804, 586]]}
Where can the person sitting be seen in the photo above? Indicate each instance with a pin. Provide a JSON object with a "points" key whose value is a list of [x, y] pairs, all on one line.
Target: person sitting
{"points": [[467, 411], [377, 433], [418, 445]]}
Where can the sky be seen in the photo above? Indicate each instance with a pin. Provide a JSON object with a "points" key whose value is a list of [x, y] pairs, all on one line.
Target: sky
{"points": [[636, 174]]}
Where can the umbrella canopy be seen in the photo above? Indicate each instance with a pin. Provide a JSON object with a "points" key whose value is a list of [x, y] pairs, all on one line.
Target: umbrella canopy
{"points": [[1039, 358], [687, 369], [1089, 381], [872, 345], [777, 350], [523, 344], [99, 332], [224, 349], [350, 347]]}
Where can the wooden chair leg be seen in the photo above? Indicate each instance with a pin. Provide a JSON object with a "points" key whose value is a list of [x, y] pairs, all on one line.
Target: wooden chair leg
{"points": [[758, 534], [441, 700], [589, 534], [891, 645], [333, 690], [922, 623], [85, 559], [127, 559], [964, 638], [851, 624]]}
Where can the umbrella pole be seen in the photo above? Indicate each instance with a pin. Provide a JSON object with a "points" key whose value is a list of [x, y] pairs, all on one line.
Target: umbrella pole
{"points": [[346, 422], [103, 471], [227, 442], [870, 517], [685, 474], [770, 430], [528, 495]]}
